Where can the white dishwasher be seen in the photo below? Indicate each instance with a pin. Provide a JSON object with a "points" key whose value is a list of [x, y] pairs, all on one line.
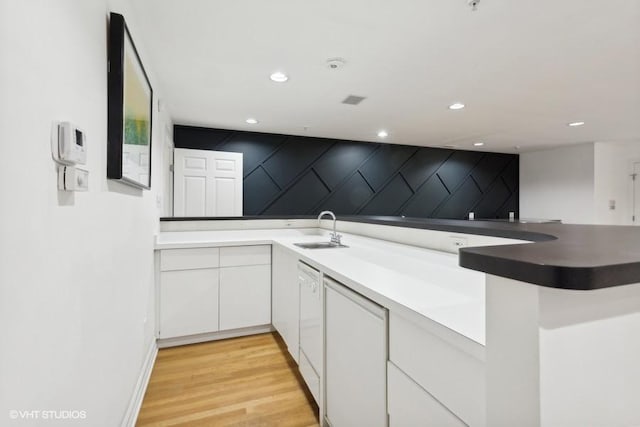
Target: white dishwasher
{"points": [[355, 359], [310, 364]]}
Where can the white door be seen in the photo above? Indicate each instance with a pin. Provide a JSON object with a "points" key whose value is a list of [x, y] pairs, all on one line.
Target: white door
{"points": [[636, 193], [207, 183], [167, 174]]}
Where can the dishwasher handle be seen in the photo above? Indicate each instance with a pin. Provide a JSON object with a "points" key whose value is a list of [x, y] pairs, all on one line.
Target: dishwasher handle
{"points": [[364, 302]]}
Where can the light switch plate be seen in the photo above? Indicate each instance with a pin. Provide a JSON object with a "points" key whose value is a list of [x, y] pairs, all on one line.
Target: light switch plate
{"points": [[72, 179]]}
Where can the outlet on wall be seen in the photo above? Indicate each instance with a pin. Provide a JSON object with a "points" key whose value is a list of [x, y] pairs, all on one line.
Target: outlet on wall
{"points": [[456, 242]]}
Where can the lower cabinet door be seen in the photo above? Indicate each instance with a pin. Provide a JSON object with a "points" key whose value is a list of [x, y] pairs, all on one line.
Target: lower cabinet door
{"points": [[409, 405], [188, 302], [245, 296]]}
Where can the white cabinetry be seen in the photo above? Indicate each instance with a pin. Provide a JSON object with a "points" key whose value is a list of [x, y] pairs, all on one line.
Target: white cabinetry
{"points": [[188, 259], [233, 256], [206, 290], [411, 406], [361, 373], [449, 368], [245, 286], [245, 296], [285, 293], [355, 359], [188, 300]]}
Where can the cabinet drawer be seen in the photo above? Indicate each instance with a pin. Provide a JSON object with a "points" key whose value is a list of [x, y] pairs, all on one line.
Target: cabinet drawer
{"points": [[410, 405], [189, 259], [233, 256], [451, 375]]}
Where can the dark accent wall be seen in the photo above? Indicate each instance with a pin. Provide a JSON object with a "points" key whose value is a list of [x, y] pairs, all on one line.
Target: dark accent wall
{"points": [[289, 175]]}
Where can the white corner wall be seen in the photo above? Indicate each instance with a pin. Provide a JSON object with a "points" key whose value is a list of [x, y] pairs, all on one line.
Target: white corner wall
{"points": [[577, 183], [76, 270], [613, 169], [558, 184]]}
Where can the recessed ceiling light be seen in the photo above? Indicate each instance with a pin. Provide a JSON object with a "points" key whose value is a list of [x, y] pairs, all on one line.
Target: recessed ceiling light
{"points": [[575, 124], [456, 106], [252, 121], [383, 134], [478, 144], [279, 77]]}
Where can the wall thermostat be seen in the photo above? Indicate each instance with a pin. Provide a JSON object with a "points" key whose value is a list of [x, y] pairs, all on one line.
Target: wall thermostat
{"points": [[68, 148], [71, 147]]}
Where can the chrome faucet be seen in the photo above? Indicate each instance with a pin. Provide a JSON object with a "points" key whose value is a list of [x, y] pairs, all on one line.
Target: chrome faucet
{"points": [[335, 237]]}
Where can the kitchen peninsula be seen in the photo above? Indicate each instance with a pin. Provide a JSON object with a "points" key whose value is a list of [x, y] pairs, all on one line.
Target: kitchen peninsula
{"points": [[548, 335]]}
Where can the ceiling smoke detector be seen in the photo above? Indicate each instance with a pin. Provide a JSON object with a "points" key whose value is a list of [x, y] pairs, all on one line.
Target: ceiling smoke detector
{"points": [[473, 4], [335, 63]]}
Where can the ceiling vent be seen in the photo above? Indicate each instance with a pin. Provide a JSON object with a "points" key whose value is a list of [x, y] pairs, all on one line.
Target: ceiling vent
{"points": [[353, 99]]}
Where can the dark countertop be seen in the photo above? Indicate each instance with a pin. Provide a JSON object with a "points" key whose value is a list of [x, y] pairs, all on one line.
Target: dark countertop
{"points": [[565, 256]]}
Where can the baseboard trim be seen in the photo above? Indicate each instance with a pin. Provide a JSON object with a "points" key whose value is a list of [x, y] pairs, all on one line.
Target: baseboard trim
{"points": [[213, 336], [131, 416]]}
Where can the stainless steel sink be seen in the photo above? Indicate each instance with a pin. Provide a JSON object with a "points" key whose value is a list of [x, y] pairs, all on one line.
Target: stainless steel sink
{"points": [[320, 245]]}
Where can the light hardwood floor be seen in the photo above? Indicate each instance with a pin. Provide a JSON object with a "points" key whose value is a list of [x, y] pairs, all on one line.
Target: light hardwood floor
{"points": [[248, 381]]}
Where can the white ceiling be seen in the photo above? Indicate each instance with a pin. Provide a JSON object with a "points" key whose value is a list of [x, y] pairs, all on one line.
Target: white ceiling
{"points": [[524, 68]]}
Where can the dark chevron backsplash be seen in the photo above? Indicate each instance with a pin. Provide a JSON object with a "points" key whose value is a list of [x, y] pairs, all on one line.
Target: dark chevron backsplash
{"points": [[289, 175]]}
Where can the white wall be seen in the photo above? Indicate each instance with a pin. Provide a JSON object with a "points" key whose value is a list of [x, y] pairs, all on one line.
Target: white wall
{"points": [[576, 183], [613, 169], [76, 270], [558, 184]]}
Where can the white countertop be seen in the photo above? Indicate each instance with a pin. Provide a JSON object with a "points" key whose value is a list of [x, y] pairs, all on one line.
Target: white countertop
{"points": [[399, 277]]}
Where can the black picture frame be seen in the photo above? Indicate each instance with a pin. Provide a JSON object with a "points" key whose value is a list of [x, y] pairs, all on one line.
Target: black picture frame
{"points": [[130, 113]]}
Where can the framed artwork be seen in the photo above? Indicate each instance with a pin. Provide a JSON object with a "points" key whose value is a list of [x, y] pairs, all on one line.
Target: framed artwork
{"points": [[130, 107]]}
